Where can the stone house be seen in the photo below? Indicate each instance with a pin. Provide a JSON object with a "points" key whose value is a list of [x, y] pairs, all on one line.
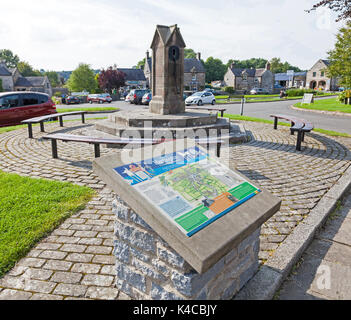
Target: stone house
{"points": [[194, 72], [134, 78], [12, 80], [317, 77], [247, 79]]}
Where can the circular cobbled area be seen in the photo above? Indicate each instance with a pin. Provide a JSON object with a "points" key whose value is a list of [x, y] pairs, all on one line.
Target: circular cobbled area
{"points": [[76, 261]]}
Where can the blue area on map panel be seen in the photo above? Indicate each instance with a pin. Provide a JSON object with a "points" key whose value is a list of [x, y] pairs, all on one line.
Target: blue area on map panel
{"points": [[142, 171], [175, 207]]}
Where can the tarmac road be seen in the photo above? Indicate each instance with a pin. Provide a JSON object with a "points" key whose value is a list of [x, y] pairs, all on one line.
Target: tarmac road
{"points": [[258, 110]]}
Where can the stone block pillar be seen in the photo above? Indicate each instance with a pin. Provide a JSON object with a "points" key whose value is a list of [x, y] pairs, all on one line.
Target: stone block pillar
{"points": [[148, 268]]}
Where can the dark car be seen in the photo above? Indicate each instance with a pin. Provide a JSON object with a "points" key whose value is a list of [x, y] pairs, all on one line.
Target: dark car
{"points": [[72, 100], [136, 95], [18, 106]]}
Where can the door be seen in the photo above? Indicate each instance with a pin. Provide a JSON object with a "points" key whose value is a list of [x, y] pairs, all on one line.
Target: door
{"points": [[9, 113]]}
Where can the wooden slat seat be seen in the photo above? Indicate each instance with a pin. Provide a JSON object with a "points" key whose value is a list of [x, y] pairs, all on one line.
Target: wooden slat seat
{"points": [[53, 116], [300, 125]]}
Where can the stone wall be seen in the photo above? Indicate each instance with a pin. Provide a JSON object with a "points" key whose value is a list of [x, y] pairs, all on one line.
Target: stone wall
{"points": [[318, 68], [7, 83], [200, 78], [148, 268]]}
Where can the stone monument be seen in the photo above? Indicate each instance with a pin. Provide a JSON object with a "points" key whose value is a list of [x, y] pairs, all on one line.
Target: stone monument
{"points": [[179, 238]]}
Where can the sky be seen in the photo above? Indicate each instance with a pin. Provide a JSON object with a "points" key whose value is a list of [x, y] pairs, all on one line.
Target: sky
{"points": [[60, 34]]}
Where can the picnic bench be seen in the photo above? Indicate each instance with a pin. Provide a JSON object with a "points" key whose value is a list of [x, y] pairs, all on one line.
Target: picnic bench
{"points": [[300, 126], [219, 110], [54, 116], [125, 141]]}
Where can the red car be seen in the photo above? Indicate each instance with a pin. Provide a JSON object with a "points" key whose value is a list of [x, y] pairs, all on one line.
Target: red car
{"points": [[99, 98], [18, 106]]}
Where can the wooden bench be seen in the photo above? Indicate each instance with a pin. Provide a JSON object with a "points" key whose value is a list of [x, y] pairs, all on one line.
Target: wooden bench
{"points": [[125, 141], [54, 116], [219, 110], [300, 125]]}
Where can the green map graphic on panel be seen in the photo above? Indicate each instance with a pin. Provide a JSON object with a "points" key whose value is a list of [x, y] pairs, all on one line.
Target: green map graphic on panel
{"points": [[193, 183]]}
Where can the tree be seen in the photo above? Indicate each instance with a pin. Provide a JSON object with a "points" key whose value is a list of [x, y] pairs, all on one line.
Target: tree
{"points": [[340, 57], [215, 69], [189, 54], [53, 77], [343, 7], [111, 79], [26, 70], [82, 78], [10, 59], [277, 66], [255, 63], [141, 64]]}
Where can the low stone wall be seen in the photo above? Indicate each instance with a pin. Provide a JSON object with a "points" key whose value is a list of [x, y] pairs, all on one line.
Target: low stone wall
{"points": [[147, 268]]}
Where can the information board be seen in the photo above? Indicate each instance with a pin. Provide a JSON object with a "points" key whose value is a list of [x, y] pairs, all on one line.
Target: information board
{"points": [[308, 98], [191, 189]]}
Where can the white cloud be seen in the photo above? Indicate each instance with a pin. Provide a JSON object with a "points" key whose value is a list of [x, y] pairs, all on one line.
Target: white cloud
{"points": [[59, 34]]}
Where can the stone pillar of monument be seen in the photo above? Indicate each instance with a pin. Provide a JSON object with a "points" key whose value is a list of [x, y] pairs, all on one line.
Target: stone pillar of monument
{"points": [[167, 71]]}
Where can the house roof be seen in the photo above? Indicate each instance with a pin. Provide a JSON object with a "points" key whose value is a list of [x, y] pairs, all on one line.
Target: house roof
{"points": [[189, 64], [4, 71], [250, 72], [286, 77], [30, 82], [326, 62], [133, 74]]}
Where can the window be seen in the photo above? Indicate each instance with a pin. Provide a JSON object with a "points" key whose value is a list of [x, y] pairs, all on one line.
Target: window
{"points": [[244, 76], [11, 101], [314, 74], [30, 99], [42, 98], [194, 77], [322, 74]]}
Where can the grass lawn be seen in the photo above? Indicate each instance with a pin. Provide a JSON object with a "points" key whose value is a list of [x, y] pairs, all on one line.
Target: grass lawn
{"points": [[62, 110], [30, 209], [326, 105], [252, 119]]}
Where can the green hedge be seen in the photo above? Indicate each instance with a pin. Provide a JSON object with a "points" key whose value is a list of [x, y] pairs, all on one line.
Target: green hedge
{"points": [[230, 90]]}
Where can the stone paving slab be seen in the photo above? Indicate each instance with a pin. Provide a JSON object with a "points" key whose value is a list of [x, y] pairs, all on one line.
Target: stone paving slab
{"points": [[324, 271], [76, 261]]}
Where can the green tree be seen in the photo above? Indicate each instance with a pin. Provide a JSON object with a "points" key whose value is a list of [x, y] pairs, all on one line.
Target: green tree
{"points": [[141, 64], [215, 69], [10, 59], [249, 63], [343, 7], [189, 54], [340, 57], [277, 66], [53, 77], [26, 70], [82, 78]]}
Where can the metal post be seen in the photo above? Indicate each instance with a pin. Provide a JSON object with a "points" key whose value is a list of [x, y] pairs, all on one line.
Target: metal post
{"points": [[299, 139], [242, 106], [275, 123], [30, 131], [61, 121], [42, 126], [97, 150], [219, 144], [54, 148], [83, 118]]}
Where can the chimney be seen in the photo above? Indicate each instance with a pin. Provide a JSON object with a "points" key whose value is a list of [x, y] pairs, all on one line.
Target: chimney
{"points": [[147, 54], [232, 65], [268, 65], [198, 56]]}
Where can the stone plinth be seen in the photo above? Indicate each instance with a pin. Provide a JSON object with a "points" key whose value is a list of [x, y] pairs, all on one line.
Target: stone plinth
{"points": [[148, 268]]}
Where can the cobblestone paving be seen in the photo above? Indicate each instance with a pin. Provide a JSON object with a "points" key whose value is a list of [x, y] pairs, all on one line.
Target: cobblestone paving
{"points": [[76, 261]]}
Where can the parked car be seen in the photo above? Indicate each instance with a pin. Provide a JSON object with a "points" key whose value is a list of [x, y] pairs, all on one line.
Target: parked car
{"points": [[147, 97], [72, 100], [201, 98], [259, 91], [136, 95], [99, 98], [127, 98], [18, 106]]}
